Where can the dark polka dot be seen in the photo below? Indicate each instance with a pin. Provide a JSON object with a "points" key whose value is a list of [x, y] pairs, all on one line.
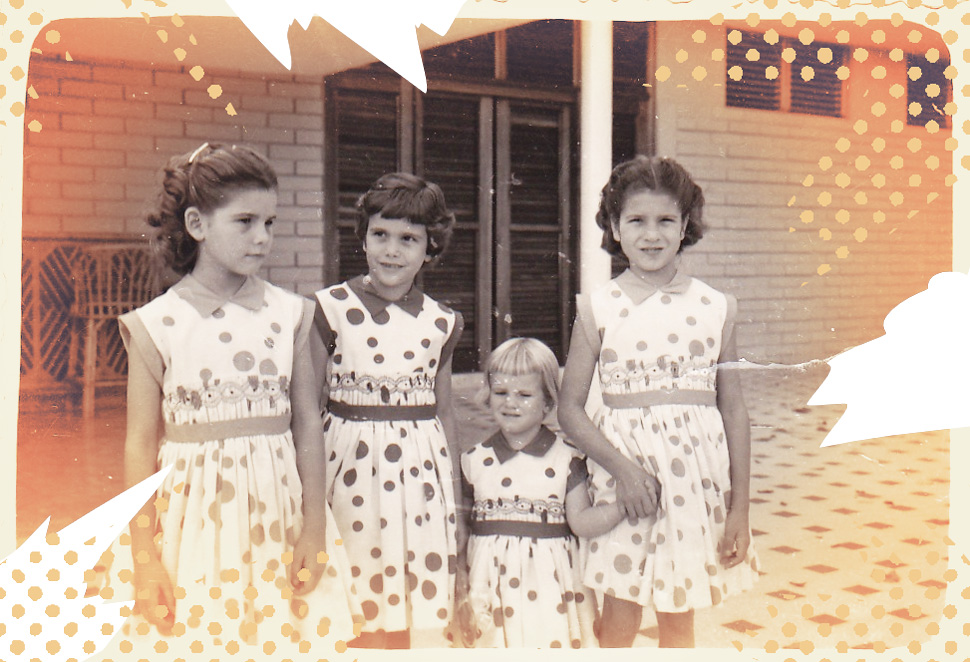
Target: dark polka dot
{"points": [[390, 571], [358, 501], [550, 472], [514, 582], [715, 595], [641, 346], [710, 342], [389, 485], [672, 338], [561, 608], [498, 617], [338, 358], [426, 343], [623, 563], [665, 298], [659, 585], [509, 612], [696, 348], [275, 327], [637, 539], [362, 449], [269, 342], [168, 321], [429, 465], [442, 324], [369, 608], [705, 301], [706, 483], [350, 477], [428, 589], [383, 523], [680, 596], [257, 535], [580, 598], [691, 320], [382, 317], [433, 562], [608, 356], [357, 526], [393, 599], [679, 500], [355, 571], [432, 363], [409, 355], [677, 468], [225, 336], [377, 583], [616, 294], [372, 342], [205, 374], [244, 361], [267, 367], [429, 491], [506, 482], [624, 312], [340, 294], [392, 453], [488, 461], [375, 552], [355, 316]]}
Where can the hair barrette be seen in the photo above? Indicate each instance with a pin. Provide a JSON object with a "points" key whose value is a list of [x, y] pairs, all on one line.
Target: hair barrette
{"points": [[198, 151]]}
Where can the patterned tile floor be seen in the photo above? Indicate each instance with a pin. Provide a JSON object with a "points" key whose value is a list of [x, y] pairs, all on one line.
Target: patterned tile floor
{"points": [[852, 538]]}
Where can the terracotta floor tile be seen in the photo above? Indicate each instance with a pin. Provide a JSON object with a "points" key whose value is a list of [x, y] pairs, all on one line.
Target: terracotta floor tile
{"points": [[860, 589], [821, 568]]}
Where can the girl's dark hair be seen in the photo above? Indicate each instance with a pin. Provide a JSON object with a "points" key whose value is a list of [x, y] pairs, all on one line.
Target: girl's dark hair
{"points": [[203, 178], [406, 196], [655, 174]]}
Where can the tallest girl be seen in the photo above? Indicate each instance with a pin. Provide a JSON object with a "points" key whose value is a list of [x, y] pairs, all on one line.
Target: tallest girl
{"points": [[389, 430]]}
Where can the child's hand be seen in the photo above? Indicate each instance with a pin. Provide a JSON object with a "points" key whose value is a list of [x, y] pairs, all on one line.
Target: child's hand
{"points": [[464, 613], [637, 492], [309, 561], [733, 547], [154, 597]]}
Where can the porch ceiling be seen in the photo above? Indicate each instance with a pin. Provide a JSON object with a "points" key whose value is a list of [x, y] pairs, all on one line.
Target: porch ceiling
{"points": [[225, 43]]}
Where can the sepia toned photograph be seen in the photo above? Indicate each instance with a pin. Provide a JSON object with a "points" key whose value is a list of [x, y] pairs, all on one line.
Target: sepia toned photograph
{"points": [[527, 355]]}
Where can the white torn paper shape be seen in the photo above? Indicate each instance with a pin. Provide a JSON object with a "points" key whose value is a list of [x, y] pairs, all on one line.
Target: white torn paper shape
{"points": [[384, 28], [45, 584], [916, 378]]}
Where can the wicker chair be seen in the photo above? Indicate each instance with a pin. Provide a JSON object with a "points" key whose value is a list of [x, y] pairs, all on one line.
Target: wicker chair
{"points": [[109, 280]]}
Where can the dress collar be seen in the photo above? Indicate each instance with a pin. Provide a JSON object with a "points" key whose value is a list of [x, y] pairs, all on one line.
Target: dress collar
{"points": [[412, 302], [639, 290], [538, 447], [250, 295]]}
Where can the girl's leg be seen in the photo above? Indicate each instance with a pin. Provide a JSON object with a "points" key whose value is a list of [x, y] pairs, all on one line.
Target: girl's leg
{"points": [[619, 622], [676, 629]]}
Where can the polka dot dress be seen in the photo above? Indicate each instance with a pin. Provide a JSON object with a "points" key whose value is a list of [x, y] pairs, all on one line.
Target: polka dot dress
{"points": [[526, 591], [230, 507], [390, 481], [660, 349]]}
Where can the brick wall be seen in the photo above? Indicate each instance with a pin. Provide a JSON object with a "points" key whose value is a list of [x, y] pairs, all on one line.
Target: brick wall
{"points": [[754, 166], [108, 128]]}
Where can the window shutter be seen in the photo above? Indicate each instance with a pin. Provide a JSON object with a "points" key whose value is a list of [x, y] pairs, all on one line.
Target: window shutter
{"points": [[754, 89], [821, 94]]}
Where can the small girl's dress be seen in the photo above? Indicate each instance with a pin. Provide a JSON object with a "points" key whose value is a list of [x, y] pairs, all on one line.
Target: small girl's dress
{"points": [[230, 508], [389, 468], [526, 585], [658, 353]]}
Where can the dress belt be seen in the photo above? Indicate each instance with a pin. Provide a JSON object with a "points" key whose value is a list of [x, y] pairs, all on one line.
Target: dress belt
{"points": [[659, 397], [219, 430], [382, 412], [521, 529]]}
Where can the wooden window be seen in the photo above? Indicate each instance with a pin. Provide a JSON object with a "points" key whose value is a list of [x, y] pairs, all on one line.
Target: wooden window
{"points": [[787, 75], [928, 91]]}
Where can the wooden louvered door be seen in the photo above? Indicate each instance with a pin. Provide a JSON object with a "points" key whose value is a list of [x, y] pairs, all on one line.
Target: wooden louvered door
{"points": [[505, 169]]}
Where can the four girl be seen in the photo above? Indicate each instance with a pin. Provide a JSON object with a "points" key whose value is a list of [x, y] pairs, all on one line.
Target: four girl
{"points": [[226, 369]]}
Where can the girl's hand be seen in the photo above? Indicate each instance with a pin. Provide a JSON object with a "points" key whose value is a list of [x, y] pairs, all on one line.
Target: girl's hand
{"points": [[733, 547], [464, 614], [154, 597], [309, 561], [637, 492]]}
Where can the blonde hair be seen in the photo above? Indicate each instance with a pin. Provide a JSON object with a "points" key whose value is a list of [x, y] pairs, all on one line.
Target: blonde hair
{"points": [[524, 356]]}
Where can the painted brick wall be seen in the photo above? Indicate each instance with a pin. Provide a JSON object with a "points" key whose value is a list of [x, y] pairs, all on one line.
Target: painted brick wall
{"points": [[108, 128], [761, 170]]}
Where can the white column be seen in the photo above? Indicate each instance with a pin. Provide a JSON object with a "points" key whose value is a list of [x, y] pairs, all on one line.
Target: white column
{"points": [[596, 145]]}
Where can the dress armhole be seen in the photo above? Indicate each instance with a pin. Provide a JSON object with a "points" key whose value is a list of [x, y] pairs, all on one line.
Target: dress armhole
{"points": [[729, 319], [449, 347], [578, 473], [139, 343], [323, 328], [301, 336], [587, 322]]}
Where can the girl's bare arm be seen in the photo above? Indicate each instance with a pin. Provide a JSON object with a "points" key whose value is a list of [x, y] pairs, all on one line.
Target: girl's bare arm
{"points": [[636, 490], [587, 520], [737, 429]]}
